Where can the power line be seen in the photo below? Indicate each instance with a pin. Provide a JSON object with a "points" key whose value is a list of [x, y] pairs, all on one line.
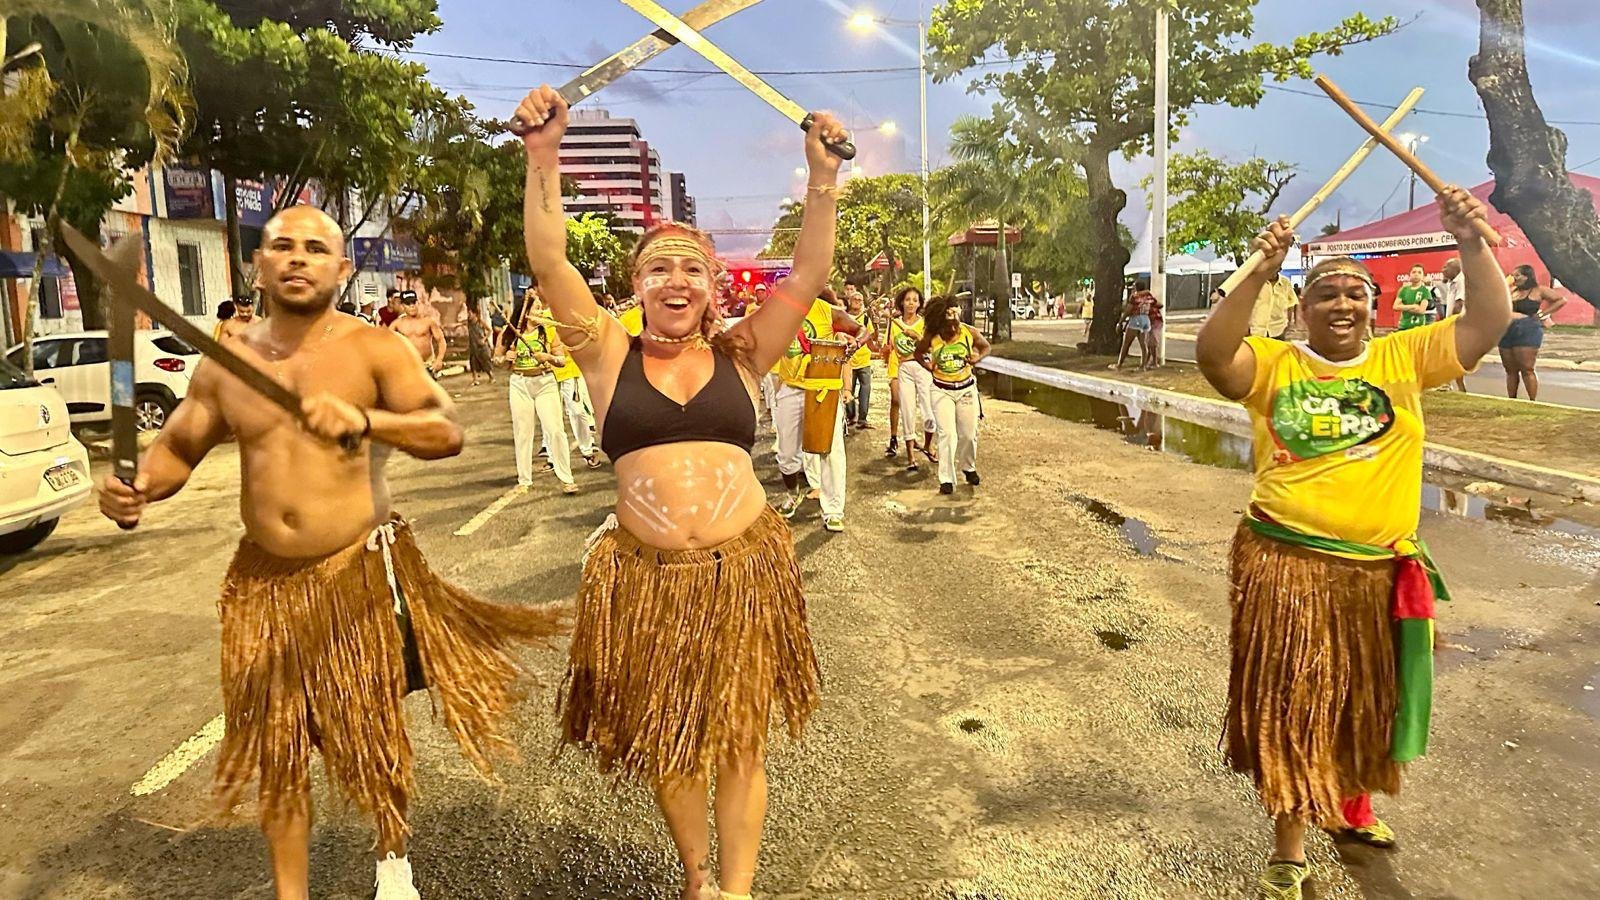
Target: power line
{"points": [[582, 66], [1432, 112]]}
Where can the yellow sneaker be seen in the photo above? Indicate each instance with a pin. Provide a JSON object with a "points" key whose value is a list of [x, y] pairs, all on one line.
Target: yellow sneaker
{"points": [[1378, 834], [1281, 881]]}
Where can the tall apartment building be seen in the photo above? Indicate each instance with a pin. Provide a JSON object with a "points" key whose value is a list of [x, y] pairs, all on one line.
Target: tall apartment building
{"points": [[682, 208], [616, 171]]}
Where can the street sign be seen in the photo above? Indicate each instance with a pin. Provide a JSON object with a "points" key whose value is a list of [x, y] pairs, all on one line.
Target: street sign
{"points": [[1016, 281]]}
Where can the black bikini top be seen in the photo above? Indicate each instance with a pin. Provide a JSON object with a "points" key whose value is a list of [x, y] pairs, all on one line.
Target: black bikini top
{"points": [[641, 416]]}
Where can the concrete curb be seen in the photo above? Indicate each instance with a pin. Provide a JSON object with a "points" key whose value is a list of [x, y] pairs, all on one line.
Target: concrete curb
{"points": [[1232, 418]]}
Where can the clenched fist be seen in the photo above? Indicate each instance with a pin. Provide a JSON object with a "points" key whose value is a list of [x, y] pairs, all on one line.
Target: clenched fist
{"points": [[1274, 244], [333, 418], [123, 503], [541, 119]]}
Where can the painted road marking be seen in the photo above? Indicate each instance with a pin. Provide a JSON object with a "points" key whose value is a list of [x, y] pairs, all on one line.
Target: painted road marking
{"points": [[489, 512], [174, 764]]}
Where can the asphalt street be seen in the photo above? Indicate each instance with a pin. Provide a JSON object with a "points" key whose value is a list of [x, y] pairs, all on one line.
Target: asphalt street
{"points": [[1020, 701]]}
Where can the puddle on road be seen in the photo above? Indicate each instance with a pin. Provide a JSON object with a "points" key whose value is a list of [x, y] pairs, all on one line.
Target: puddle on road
{"points": [[1136, 532], [1115, 640], [1589, 695], [1221, 449]]}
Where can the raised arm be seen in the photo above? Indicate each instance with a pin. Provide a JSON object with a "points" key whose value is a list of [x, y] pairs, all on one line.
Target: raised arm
{"points": [[544, 232], [772, 327], [195, 427], [1224, 357], [1486, 297]]}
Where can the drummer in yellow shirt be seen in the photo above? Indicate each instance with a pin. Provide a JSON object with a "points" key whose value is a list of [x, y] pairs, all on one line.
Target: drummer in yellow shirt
{"points": [[823, 472]]}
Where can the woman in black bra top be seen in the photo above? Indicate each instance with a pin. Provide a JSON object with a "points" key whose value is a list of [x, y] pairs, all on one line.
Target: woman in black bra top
{"points": [[1532, 310], [691, 622]]}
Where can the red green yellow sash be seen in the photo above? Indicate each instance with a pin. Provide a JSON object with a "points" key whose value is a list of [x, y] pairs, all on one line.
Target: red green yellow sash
{"points": [[1417, 585]]}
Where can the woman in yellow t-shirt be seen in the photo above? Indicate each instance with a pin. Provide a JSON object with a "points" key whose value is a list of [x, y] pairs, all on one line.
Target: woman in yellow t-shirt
{"points": [[858, 381], [1332, 593], [948, 349], [911, 394]]}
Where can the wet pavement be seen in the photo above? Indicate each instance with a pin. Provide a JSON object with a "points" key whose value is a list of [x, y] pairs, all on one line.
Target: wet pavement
{"points": [[1023, 689]]}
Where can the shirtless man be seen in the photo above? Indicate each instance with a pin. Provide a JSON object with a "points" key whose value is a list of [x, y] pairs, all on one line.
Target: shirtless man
{"points": [[329, 613], [244, 313], [422, 331]]}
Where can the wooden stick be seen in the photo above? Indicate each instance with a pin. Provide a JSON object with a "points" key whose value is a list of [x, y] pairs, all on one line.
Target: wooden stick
{"points": [[1326, 191], [1399, 150]]}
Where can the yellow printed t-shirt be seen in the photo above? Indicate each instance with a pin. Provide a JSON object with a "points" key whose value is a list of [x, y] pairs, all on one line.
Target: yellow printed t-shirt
{"points": [[950, 357], [817, 326], [1338, 447], [570, 370], [537, 339], [902, 342], [863, 357], [632, 320]]}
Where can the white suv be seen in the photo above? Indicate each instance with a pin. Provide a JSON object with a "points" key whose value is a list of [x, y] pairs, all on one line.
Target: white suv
{"points": [[44, 471], [77, 366]]}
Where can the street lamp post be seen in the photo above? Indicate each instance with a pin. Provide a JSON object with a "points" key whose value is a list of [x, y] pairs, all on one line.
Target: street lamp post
{"points": [[867, 20], [1412, 142]]}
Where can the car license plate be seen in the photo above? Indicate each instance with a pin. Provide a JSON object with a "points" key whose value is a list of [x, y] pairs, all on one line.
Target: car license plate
{"points": [[62, 477]]}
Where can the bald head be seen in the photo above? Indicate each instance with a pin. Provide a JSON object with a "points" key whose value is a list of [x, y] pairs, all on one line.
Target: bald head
{"points": [[301, 264], [305, 220]]}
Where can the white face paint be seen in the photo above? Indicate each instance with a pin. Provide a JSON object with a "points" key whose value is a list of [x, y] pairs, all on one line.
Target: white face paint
{"points": [[688, 478]]}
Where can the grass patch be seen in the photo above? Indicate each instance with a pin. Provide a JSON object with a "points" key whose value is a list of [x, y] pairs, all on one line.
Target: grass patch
{"points": [[1549, 436]]}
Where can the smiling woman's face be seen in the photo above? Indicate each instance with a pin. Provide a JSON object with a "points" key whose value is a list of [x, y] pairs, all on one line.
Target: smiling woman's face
{"points": [[1335, 310], [675, 292]]}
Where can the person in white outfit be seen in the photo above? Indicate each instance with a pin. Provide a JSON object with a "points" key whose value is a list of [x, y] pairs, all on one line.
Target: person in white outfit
{"points": [[824, 472], [580, 409], [536, 401], [913, 384], [948, 350]]}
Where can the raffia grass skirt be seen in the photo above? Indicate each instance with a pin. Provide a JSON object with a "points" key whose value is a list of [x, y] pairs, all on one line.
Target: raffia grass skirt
{"points": [[679, 655], [313, 657], [1311, 694]]}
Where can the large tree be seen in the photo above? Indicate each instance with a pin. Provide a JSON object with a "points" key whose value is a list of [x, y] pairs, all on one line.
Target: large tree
{"points": [[1528, 156], [1080, 86], [867, 206], [1221, 203], [303, 89], [105, 94]]}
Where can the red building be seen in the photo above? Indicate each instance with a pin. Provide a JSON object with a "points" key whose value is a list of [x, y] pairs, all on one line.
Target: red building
{"points": [[1390, 247]]}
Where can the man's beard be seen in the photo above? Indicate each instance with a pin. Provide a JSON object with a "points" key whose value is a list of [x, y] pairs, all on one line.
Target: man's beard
{"points": [[308, 305]]}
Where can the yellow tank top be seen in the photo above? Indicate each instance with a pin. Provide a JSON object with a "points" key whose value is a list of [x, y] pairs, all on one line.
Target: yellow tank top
{"points": [[632, 320], [863, 356], [903, 338], [570, 370], [817, 326], [950, 357], [536, 339]]}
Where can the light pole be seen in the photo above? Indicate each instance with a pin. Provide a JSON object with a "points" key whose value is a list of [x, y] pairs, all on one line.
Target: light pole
{"points": [[866, 21], [1412, 141], [1158, 242]]}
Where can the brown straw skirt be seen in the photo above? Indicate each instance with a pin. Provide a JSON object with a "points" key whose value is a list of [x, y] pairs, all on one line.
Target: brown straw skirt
{"points": [[678, 655], [312, 656], [1311, 696]]}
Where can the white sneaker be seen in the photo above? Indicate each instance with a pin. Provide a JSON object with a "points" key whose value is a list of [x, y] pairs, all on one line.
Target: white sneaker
{"points": [[394, 879]]}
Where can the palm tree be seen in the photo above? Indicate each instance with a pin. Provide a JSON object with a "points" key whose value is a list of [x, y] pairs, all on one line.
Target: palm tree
{"points": [[107, 90], [990, 181]]}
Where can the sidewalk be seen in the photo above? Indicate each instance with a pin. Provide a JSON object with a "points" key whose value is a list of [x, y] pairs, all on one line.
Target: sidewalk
{"points": [[1568, 347]]}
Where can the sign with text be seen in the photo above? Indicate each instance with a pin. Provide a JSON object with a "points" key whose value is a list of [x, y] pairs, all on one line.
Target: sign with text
{"points": [[188, 193]]}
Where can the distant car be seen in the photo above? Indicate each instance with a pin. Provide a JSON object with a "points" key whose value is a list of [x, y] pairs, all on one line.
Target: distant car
{"points": [[44, 471], [1022, 309], [77, 365]]}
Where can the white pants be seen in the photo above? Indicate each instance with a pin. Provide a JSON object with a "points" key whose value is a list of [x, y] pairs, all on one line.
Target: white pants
{"points": [[580, 413], [536, 401], [769, 394], [916, 400], [956, 414], [823, 471]]}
